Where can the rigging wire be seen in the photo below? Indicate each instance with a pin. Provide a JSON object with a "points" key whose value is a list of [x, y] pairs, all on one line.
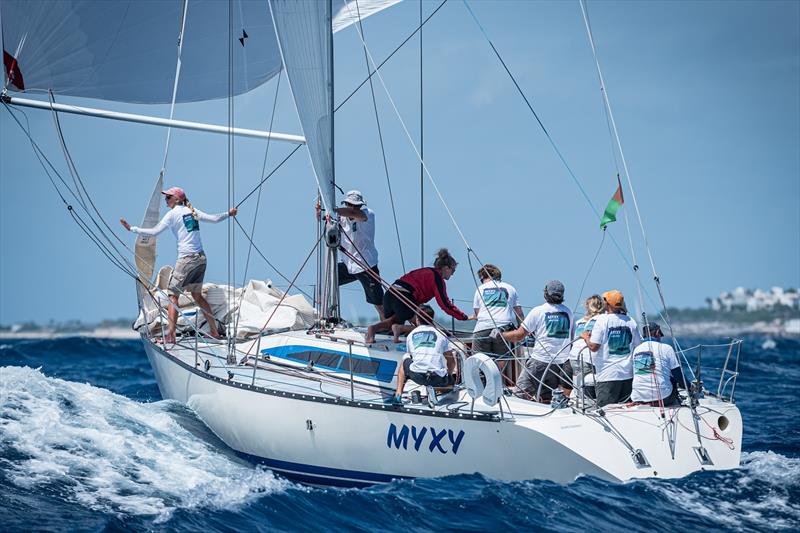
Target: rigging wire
{"points": [[410, 138], [383, 150], [258, 198], [273, 267], [273, 171], [610, 117], [588, 272], [399, 46], [178, 65], [112, 254], [79, 186], [549, 138]]}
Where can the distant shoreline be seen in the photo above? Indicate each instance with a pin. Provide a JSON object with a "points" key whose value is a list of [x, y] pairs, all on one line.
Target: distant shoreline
{"points": [[96, 333], [713, 328]]}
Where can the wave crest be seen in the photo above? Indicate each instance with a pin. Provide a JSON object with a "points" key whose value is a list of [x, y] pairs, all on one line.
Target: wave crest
{"points": [[112, 454]]}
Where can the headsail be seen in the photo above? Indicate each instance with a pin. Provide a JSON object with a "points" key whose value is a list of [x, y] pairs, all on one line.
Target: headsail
{"points": [[124, 51], [145, 248]]}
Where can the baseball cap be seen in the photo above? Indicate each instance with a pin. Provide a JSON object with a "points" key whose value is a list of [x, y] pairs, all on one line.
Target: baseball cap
{"points": [[176, 192], [651, 329], [614, 298], [554, 288], [354, 198]]}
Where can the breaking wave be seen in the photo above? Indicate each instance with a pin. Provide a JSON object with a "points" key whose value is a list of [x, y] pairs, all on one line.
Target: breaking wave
{"points": [[106, 452]]}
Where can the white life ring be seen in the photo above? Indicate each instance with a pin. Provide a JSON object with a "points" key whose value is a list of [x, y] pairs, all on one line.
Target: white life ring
{"points": [[493, 390]]}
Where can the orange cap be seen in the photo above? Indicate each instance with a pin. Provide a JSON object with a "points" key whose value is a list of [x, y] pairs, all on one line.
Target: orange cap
{"points": [[614, 298]]}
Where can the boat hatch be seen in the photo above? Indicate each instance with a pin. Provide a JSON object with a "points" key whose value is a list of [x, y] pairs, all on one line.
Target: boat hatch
{"points": [[363, 366]]}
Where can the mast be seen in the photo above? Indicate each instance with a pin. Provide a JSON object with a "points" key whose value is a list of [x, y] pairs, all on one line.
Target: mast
{"points": [[421, 153], [332, 236]]}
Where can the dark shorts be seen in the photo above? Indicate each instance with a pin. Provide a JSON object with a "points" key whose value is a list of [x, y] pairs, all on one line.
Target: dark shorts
{"points": [[372, 287], [613, 391], [394, 307], [534, 373], [673, 400], [493, 347], [188, 274], [429, 379]]}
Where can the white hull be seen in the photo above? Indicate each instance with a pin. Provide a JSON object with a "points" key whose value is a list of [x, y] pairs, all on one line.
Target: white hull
{"points": [[319, 439]]}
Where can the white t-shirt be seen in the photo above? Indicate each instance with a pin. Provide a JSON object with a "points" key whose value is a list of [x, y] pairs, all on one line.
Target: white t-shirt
{"points": [[495, 302], [185, 228], [427, 346], [653, 362], [579, 348], [362, 235], [551, 326], [617, 336]]}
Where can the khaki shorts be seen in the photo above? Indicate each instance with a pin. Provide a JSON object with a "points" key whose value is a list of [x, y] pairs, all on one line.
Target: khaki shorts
{"points": [[188, 274]]}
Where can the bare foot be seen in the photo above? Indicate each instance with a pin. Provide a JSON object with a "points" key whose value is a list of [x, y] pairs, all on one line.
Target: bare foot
{"points": [[396, 332], [369, 338]]}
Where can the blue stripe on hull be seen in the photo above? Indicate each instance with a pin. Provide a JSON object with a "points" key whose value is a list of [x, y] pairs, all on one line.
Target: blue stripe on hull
{"points": [[321, 475]]}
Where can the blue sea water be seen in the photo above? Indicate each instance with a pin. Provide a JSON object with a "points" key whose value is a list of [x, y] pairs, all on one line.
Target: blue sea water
{"points": [[87, 443]]}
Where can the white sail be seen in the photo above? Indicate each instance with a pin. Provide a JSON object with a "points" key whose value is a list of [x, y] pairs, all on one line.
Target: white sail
{"points": [[125, 51], [303, 30]]}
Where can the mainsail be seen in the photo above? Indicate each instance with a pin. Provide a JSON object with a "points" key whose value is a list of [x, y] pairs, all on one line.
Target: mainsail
{"points": [[125, 51], [303, 30]]}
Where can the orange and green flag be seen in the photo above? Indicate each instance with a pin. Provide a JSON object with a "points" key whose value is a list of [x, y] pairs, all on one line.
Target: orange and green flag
{"points": [[610, 214]]}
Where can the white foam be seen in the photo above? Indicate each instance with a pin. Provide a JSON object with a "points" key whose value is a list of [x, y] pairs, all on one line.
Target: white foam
{"points": [[114, 454], [751, 496]]}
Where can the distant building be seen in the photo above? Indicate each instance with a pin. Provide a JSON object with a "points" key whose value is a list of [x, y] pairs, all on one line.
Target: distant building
{"points": [[741, 299]]}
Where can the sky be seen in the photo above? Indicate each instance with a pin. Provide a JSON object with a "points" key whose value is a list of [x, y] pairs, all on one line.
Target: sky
{"points": [[705, 95]]}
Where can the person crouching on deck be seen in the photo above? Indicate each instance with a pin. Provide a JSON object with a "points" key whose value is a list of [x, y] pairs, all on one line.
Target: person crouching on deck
{"points": [[184, 221], [417, 287], [428, 362]]}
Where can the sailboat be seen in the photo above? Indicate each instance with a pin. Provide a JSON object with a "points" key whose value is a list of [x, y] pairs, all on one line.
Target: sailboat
{"points": [[294, 386]]}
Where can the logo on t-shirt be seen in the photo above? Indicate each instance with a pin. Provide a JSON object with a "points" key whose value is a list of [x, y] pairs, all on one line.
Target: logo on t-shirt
{"points": [[424, 339], [495, 297], [644, 363], [619, 340], [582, 327], [190, 223], [557, 325]]}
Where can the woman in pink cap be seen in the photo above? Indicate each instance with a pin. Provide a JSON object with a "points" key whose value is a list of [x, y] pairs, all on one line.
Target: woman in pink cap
{"points": [[184, 221]]}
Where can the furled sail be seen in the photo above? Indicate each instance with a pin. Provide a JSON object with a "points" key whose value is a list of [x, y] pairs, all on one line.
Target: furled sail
{"points": [[125, 50]]}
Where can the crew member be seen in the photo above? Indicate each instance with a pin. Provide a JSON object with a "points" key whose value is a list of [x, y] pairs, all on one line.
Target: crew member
{"points": [[184, 221], [495, 306], [657, 374], [613, 339], [428, 361], [413, 289], [547, 365], [359, 257]]}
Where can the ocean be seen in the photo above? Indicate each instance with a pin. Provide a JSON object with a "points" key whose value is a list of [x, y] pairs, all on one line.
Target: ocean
{"points": [[87, 444]]}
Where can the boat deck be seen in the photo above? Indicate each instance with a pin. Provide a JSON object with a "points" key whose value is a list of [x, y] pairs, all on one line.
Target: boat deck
{"points": [[283, 374]]}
